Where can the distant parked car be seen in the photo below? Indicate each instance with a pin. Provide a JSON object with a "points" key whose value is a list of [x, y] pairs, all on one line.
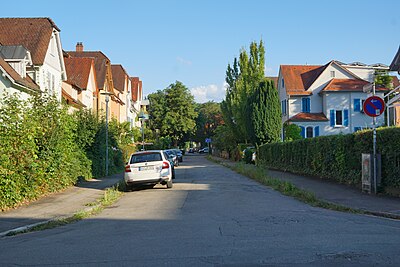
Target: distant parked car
{"points": [[191, 150], [171, 158], [204, 150], [174, 156], [179, 154], [148, 168]]}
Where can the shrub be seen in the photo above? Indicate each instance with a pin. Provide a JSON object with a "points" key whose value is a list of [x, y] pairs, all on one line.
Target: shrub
{"points": [[336, 157]]}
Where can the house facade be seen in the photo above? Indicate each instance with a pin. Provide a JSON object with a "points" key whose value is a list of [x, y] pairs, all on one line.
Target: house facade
{"points": [[79, 91], [137, 99], [328, 99], [41, 38], [104, 81], [122, 85]]}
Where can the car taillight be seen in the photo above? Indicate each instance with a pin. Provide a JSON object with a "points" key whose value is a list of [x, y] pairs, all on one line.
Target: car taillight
{"points": [[165, 165], [128, 168]]}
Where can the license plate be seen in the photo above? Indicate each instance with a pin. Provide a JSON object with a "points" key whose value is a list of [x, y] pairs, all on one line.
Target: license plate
{"points": [[146, 168]]}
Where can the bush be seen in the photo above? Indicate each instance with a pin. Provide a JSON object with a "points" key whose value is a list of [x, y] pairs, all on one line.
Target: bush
{"points": [[44, 149], [336, 157]]}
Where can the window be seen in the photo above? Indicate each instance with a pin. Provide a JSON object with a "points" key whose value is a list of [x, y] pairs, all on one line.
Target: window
{"points": [[333, 74], [309, 132], [339, 118], [358, 105], [283, 83], [305, 105], [284, 107]]}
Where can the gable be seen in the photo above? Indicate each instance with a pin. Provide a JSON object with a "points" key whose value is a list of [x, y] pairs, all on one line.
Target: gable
{"points": [[119, 77], [33, 33], [78, 71], [101, 63]]}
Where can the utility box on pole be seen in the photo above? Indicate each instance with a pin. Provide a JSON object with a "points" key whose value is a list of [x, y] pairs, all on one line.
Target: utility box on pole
{"points": [[367, 169]]}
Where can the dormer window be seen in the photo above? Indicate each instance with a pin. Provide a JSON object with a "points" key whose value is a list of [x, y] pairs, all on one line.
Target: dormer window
{"points": [[333, 74]]}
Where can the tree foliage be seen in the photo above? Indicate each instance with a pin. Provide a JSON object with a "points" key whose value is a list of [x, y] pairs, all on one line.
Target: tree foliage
{"points": [[251, 109], [208, 119], [265, 114], [172, 111]]}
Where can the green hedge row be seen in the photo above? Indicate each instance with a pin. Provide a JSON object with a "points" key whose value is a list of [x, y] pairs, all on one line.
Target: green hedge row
{"points": [[336, 157], [44, 148]]}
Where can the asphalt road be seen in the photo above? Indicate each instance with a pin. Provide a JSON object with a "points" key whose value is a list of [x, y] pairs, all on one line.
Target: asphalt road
{"points": [[211, 217]]}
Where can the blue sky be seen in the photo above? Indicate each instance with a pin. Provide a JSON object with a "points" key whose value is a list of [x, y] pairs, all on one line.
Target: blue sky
{"points": [[193, 41]]}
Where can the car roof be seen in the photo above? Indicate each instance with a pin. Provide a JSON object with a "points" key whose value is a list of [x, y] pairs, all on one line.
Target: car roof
{"points": [[147, 152]]}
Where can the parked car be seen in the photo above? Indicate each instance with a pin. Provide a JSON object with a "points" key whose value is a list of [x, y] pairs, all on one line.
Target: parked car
{"points": [[191, 150], [204, 150], [148, 168], [173, 155], [171, 159], [179, 154]]}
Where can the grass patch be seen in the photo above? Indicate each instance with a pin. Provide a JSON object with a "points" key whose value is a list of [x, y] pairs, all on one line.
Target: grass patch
{"points": [[111, 195], [260, 175]]}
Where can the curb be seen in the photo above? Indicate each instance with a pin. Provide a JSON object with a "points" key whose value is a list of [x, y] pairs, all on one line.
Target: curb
{"points": [[381, 214], [30, 226]]}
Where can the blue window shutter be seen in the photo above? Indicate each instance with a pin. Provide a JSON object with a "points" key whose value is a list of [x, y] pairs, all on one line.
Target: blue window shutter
{"points": [[303, 105], [316, 131], [303, 131], [357, 106], [346, 117], [357, 129], [332, 117], [308, 105]]}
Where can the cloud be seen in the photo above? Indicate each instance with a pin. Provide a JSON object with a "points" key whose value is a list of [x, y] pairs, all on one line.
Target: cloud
{"points": [[211, 92], [184, 61]]}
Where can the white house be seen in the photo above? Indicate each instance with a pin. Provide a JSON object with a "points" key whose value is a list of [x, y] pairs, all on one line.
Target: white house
{"points": [[328, 99], [13, 77], [41, 37]]}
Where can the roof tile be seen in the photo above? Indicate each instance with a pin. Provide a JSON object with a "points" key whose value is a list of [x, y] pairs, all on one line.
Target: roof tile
{"points": [[32, 33], [78, 71]]}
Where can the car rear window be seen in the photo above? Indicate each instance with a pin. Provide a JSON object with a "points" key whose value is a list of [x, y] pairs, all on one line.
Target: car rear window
{"points": [[146, 157]]}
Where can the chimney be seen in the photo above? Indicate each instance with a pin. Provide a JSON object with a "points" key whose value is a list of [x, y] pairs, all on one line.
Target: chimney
{"points": [[79, 47]]}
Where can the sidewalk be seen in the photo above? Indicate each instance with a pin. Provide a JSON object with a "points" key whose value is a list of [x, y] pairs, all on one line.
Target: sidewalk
{"points": [[340, 194], [58, 205]]}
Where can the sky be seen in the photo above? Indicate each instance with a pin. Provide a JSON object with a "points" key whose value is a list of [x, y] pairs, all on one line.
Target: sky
{"points": [[193, 41]]}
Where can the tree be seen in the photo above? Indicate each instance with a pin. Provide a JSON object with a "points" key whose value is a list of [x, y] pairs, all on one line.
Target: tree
{"points": [[243, 78], [292, 132], [265, 119], [209, 118], [172, 112]]}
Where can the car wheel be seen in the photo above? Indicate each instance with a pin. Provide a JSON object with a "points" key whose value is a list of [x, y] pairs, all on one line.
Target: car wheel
{"points": [[169, 184]]}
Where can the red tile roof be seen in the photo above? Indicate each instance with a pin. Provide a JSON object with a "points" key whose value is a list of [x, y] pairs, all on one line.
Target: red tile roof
{"points": [[347, 85], [134, 88], [27, 81], [32, 33], [309, 117], [119, 77], [100, 64], [78, 71], [71, 101], [298, 78], [395, 81]]}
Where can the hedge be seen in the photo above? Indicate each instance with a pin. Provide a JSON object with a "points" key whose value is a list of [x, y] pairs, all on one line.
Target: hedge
{"points": [[44, 148], [336, 157]]}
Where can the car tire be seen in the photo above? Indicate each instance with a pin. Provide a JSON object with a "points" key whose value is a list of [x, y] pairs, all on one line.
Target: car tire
{"points": [[169, 184]]}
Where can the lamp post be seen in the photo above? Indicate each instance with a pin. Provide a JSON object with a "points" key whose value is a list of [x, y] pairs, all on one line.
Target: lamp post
{"points": [[107, 99], [143, 117]]}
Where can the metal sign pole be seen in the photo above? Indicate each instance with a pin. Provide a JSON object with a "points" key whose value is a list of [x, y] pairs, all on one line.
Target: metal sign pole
{"points": [[374, 144]]}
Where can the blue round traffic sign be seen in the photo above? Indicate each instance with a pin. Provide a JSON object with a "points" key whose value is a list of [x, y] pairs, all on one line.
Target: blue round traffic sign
{"points": [[374, 106]]}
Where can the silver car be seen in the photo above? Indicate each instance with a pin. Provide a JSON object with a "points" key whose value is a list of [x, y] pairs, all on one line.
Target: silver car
{"points": [[148, 168]]}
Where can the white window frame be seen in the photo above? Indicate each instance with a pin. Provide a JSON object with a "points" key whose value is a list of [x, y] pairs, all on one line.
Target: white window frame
{"points": [[339, 125], [313, 131]]}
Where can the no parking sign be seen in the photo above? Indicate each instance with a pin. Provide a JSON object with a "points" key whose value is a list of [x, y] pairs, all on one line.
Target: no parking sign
{"points": [[374, 106]]}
